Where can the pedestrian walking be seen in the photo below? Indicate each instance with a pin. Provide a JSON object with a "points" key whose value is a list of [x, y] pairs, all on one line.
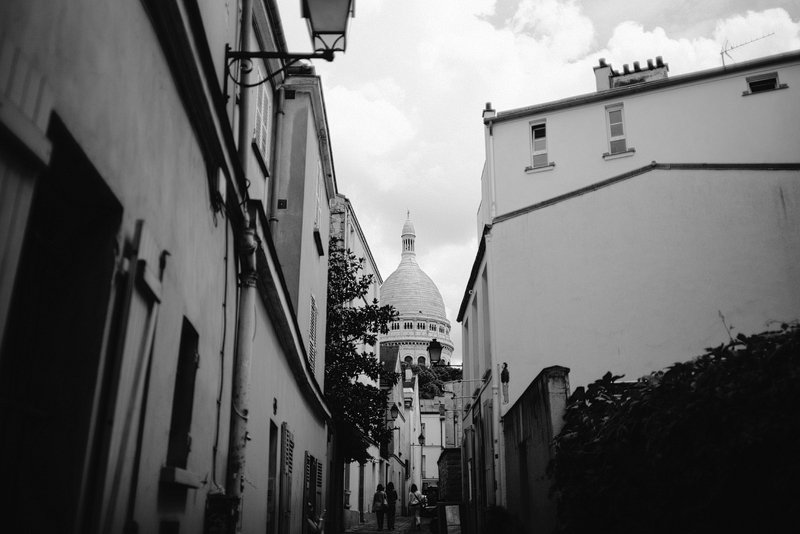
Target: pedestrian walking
{"points": [[379, 505], [415, 504], [391, 499]]}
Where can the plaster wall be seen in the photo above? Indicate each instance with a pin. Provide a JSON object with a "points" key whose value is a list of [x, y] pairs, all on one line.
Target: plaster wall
{"points": [[274, 396], [708, 121], [655, 269], [305, 270], [115, 94]]}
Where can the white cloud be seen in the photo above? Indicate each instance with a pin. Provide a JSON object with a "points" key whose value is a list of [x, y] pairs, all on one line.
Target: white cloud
{"points": [[560, 27]]}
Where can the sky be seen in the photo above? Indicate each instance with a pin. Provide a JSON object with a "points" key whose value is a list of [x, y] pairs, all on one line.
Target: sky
{"points": [[404, 101]]}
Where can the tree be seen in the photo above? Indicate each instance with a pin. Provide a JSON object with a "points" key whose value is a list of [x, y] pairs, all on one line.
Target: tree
{"points": [[358, 408], [432, 379]]}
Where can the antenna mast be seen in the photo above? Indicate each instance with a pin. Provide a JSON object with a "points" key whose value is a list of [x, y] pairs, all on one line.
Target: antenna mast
{"points": [[726, 48]]}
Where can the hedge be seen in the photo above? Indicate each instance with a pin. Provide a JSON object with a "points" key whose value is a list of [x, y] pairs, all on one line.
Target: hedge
{"points": [[708, 445]]}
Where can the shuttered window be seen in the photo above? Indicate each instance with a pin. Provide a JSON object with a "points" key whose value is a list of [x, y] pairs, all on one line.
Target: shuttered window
{"points": [[616, 130], [312, 334], [539, 144]]}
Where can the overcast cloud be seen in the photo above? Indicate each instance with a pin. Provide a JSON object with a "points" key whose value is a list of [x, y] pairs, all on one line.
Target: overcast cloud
{"points": [[404, 102]]}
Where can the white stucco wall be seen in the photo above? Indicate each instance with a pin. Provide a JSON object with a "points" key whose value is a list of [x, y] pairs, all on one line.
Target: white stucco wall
{"points": [[708, 121], [639, 280]]}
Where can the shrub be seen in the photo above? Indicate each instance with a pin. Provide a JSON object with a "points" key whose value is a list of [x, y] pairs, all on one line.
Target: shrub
{"points": [[704, 446]]}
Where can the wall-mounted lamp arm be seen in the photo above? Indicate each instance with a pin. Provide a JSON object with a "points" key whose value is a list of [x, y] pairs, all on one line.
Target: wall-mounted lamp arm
{"points": [[235, 57]]}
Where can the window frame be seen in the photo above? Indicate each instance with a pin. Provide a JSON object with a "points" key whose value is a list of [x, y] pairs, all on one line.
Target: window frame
{"points": [[547, 165], [756, 78], [611, 138], [262, 121]]}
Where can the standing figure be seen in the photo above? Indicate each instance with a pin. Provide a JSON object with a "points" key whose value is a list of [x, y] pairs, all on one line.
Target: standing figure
{"points": [[415, 504], [379, 505], [391, 498], [504, 381]]}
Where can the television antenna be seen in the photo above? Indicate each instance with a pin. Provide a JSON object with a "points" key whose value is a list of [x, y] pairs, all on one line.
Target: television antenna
{"points": [[727, 48]]}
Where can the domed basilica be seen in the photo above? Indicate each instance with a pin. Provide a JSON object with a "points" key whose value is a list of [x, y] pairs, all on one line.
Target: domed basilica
{"points": [[419, 304]]}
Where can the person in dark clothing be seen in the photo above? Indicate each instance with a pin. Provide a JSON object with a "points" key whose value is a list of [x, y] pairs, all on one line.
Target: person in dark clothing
{"points": [[379, 505], [391, 498]]}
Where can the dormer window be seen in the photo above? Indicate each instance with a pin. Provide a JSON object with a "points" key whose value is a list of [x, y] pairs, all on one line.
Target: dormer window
{"points": [[762, 83]]}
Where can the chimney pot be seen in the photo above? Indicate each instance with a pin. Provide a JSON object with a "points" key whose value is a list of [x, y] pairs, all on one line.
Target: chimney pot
{"points": [[636, 66], [626, 69], [649, 63], [659, 61], [603, 62]]}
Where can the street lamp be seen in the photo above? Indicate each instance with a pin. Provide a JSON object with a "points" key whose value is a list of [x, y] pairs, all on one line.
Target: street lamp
{"points": [[327, 26], [434, 352]]}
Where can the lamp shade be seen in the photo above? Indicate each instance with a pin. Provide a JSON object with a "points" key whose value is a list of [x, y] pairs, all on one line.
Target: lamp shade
{"points": [[327, 23], [434, 351]]}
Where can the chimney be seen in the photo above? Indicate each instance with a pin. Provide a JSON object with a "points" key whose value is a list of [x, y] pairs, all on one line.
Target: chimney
{"points": [[636, 67], [602, 74], [488, 112]]}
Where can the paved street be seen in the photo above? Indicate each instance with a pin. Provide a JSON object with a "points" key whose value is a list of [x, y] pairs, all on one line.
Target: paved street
{"points": [[402, 524]]}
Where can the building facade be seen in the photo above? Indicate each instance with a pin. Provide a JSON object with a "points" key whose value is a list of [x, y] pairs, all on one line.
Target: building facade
{"points": [[626, 229], [162, 290]]}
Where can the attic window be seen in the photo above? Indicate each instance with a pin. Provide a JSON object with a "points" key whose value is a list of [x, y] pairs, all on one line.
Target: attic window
{"points": [[762, 83]]}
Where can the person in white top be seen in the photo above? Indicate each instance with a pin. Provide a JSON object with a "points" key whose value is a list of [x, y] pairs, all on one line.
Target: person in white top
{"points": [[415, 501]]}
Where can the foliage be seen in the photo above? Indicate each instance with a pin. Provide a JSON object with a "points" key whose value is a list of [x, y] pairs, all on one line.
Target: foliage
{"points": [[358, 408], [707, 445], [432, 379]]}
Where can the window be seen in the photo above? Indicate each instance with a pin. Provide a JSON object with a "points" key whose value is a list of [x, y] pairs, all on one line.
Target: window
{"points": [[261, 126], [408, 326], [762, 83], [312, 334], [539, 144], [432, 327], [395, 326], [421, 361], [180, 439], [420, 326], [409, 360], [616, 130]]}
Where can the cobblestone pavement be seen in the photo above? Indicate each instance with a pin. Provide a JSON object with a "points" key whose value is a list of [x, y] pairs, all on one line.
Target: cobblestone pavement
{"points": [[402, 525]]}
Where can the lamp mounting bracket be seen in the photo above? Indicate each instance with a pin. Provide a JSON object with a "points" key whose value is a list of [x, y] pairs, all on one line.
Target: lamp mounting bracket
{"points": [[245, 60]]}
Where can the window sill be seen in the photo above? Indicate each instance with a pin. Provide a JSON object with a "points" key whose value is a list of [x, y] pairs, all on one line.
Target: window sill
{"points": [[781, 86], [533, 170], [608, 156], [180, 477]]}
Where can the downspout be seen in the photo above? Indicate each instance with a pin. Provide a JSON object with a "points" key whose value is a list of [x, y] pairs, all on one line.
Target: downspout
{"points": [[276, 158], [245, 329], [499, 439], [488, 114]]}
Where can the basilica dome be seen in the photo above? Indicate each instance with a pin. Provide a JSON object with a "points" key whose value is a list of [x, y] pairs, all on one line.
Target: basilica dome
{"points": [[420, 307]]}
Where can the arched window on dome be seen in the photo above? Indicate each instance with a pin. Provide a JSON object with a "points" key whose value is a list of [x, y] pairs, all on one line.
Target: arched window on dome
{"points": [[421, 361]]}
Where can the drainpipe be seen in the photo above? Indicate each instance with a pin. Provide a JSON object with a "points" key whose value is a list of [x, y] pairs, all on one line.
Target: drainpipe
{"points": [[276, 158], [497, 429], [488, 114], [245, 330]]}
